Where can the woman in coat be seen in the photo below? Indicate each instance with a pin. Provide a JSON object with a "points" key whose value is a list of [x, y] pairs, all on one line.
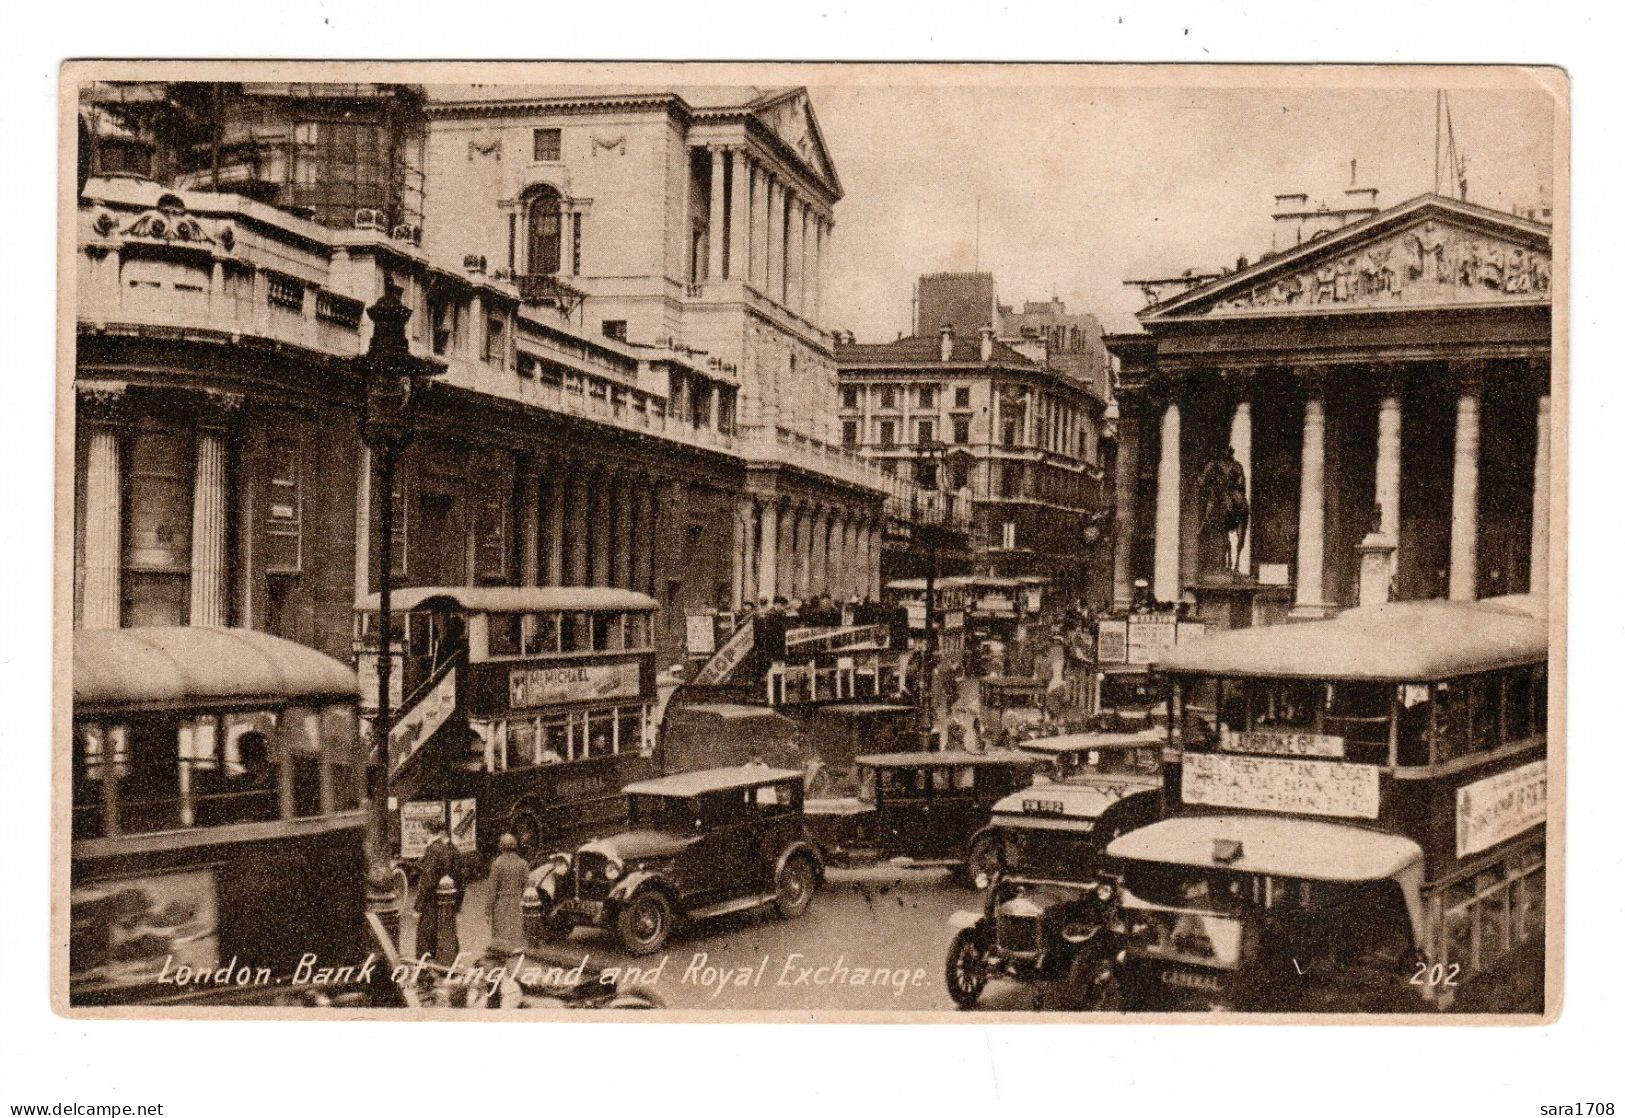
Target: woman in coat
{"points": [[505, 903]]}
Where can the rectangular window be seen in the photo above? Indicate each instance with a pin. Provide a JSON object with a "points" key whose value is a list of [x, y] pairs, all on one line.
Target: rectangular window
{"points": [[925, 431], [888, 434], [849, 434], [849, 398], [546, 145], [927, 396], [496, 342], [615, 328], [444, 315], [282, 514], [888, 398], [962, 397], [961, 430]]}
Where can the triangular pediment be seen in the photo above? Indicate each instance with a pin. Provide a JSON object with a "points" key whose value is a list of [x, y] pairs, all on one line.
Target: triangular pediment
{"points": [[789, 116], [1429, 252]]}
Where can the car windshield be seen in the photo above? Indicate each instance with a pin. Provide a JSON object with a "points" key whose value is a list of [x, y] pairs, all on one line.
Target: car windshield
{"points": [[1107, 762], [663, 813], [1049, 853]]}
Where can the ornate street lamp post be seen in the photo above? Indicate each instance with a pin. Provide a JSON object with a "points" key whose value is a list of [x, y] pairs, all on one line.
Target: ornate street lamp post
{"points": [[928, 454], [389, 374]]}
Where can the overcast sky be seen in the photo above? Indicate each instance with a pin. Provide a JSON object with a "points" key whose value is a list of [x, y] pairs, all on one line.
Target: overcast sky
{"points": [[1082, 188]]}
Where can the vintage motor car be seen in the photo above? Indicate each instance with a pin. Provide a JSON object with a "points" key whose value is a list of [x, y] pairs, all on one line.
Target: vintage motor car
{"points": [[918, 809], [697, 845], [1048, 916]]}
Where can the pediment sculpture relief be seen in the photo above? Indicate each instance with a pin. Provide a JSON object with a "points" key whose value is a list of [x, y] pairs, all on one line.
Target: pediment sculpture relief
{"points": [[1427, 263]]}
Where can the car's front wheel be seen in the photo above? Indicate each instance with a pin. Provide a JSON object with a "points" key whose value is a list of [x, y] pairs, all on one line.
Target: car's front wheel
{"points": [[794, 889], [966, 971], [644, 923]]}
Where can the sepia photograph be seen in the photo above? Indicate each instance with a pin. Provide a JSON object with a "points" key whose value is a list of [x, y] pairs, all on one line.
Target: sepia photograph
{"points": [[831, 542]]}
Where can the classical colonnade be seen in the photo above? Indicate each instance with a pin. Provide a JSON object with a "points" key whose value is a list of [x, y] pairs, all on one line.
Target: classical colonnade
{"points": [[796, 548], [1467, 380], [766, 232], [587, 525]]}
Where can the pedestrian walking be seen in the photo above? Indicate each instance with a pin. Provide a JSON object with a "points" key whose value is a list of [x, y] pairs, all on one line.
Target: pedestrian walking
{"points": [[504, 906], [440, 859]]}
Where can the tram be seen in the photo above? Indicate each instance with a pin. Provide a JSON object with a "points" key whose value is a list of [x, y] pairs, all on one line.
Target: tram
{"points": [[1361, 819], [217, 823], [522, 709]]}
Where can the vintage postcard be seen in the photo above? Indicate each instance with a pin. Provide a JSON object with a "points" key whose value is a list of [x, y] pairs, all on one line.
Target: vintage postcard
{"points": [[836, 542]]}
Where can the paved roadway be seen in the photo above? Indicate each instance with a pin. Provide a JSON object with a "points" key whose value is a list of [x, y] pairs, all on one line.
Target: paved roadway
{"points": [[887, 927]]}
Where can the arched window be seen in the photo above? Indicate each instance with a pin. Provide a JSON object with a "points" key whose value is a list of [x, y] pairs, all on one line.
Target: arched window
{"points": [[544, 230]]}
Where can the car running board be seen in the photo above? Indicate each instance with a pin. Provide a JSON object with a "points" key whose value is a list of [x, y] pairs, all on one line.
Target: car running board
{"points": [[925, 863], [737, 905]]}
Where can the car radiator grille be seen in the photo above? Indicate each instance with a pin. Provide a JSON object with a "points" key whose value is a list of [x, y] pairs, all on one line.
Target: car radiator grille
{"points": [[590, 882], [1018, 934]]}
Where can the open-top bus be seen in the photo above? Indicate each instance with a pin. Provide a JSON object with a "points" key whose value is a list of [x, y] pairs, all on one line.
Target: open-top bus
{"points": [[523, 709], [217, 822], [1363, 819]]}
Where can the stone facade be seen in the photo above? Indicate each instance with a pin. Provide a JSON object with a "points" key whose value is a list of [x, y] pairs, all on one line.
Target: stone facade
{"points": [[1385, 387]]}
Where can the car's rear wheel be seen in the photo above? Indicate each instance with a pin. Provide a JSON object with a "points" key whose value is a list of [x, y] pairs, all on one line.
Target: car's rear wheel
{"points": [[966, 970], [795, 886], [644, 923]]}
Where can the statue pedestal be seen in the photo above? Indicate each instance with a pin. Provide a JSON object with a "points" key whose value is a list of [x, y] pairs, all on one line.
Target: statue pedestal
{"points": [[1228, 600], [1376, 568]]}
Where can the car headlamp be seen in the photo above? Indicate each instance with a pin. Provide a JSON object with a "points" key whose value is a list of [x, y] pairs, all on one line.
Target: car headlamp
{"points": [[561, 861], [612, 871], [982, 880], [1103, 892]]}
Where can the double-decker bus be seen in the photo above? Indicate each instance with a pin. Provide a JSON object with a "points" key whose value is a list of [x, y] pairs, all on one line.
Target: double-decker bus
{"points": [[522, 709], [217, 823], [1362, 819]]}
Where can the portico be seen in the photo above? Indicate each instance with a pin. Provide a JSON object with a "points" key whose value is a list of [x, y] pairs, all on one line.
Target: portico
{"points": [[1386, 390]]}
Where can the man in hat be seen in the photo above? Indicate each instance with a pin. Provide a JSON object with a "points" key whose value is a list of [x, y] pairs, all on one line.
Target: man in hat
{"points": [[439, 860], [1142, 602], [504, 905]]}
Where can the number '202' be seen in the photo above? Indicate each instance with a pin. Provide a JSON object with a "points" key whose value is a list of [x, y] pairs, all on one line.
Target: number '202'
{"points": [[1438, 974]]}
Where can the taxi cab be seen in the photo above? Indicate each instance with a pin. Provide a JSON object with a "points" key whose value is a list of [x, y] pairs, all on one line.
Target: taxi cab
{"points": [[1047, 917]]}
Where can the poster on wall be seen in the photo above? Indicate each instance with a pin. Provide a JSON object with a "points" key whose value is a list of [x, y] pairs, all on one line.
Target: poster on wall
{"points": [[125, 933]]}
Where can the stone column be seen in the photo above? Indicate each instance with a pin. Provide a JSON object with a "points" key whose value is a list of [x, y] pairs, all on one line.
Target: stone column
{"points": [[788, 518], [624, 532], [837, 556], [1165, 569], [1128, 510], [815, 273], [736, 581], [1239, 383], [643, 540], [1464, 487], [752, 554], [873, 567], [580, 526], [101, 411], [767, 567], [1310, 597], [603, 485], [530, 524], [773, 287], [818, 554], [1389, 418], [739, 227], [556, 512], [795, 241], [1540, 511], [758, 227], [719, 204], [209, 519]]}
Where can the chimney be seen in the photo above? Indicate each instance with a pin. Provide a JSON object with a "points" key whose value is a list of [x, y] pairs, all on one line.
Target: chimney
{"points": [[947, 341], [987, 343]]}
